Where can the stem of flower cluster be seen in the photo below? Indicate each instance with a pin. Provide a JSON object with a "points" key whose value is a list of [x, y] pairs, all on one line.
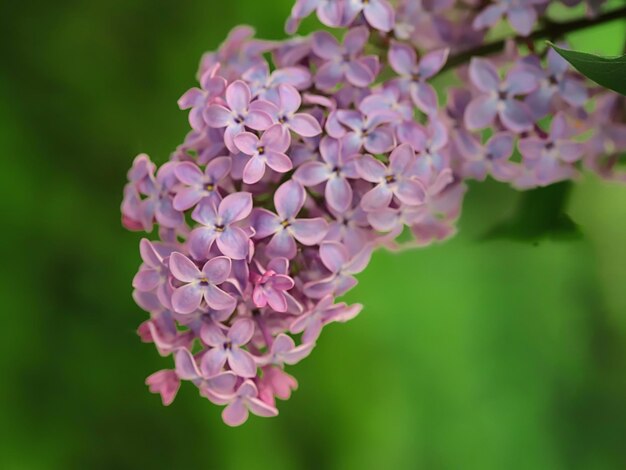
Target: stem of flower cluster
{"points": [[552, 30]]}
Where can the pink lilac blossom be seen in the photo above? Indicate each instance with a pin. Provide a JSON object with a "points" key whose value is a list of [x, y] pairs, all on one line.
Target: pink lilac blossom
{"points": [[306, 155]]}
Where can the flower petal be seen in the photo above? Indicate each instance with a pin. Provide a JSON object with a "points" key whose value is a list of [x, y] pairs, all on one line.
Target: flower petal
{"points": [[379, 14], [312, 173], [305, 125], [186, 299], [217, 269], [218, 299], [233, 242], [238, 96], [235, 207], [484, 75], [334, 255], [217, 116], [282, 244], [265, 223], [279, 162], [186, 367], [241, 362], [241, 331], [338, 194], [247, 142], [235, 414], [254, 170], [309, 231], [183, 268], [480, 112], [289, 199]]}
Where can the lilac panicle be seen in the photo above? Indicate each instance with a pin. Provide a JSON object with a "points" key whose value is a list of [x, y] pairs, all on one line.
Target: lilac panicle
{"points": [[306, 155]]}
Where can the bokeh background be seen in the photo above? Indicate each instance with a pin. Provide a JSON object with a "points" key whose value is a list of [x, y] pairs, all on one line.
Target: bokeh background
{"points": [[473, 354]]}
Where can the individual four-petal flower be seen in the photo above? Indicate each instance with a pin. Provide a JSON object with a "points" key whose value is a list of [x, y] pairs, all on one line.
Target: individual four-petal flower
{"points": [[394, 180], [498, 98], [198, 184], [217, 224], [226, 348], [284, 227], [245, 400], [269, 150], [200, 284], [239, 114], [414, 73], [343, 60], [335, 169]]}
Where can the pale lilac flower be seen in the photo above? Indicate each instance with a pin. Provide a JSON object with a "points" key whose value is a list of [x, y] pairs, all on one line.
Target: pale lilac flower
{"points": [[216, 387], [430, 144], [329, 12], [414, 73], [390, 219], [310, 324], [270, 288], [275, 383], [499, 98], [238, 53], [264, 84], [198, 184], [388, 100], [166, 383], [246, 399], [288, 102], [378, 13], [342, 61], [198, 285], [369, 132], [212, 86], [154, 273], [351, 228], [269, 150], [204, 146], [555, 79], [284, 228], [439, 214], [492, 158], [279, 267], [334, 170], [285, 351], [239, 114], [549, 159], [522, 15], [162, 331], [390, 181], [336, 258], [148, 198], [217, 224], [227, 348]]}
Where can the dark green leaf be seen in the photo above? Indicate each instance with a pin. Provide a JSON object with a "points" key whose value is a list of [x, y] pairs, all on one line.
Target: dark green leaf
{"points": [[609, 72], [540, 214]]}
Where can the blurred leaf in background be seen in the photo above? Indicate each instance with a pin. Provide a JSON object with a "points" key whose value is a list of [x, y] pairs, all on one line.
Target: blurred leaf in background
{"points": [[471, 354]]}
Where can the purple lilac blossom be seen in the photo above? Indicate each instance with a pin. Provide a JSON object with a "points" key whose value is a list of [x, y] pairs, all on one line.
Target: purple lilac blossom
{"points": [[306, 155]]}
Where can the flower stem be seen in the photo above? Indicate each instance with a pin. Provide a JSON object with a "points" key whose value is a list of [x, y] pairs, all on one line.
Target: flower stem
{"points": [[552, 30]]}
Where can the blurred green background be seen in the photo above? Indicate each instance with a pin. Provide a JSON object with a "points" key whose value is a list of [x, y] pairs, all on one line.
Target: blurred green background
{"points": [[472, 354]]}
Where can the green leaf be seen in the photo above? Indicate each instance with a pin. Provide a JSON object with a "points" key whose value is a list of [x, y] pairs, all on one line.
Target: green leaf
{"points": [[540, 214], [609, 72]]}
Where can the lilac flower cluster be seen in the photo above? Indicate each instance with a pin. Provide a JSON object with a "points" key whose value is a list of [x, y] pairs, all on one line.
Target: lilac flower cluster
{"points": [[294, 172]]}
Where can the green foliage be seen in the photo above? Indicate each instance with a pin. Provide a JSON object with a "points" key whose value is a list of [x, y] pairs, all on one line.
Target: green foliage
{"points": [[609, 72], [540, 213]]}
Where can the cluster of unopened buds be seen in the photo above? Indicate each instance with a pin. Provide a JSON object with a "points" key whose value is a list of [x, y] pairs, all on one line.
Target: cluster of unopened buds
{"points": [[295, 171]]}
